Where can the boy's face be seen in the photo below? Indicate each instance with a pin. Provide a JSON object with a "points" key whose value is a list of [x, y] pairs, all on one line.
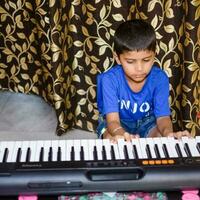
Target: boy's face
{"points": [[136, 64]]}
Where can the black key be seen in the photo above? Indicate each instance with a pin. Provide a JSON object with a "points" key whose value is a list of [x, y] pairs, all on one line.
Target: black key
{"points": [[112, 153], [95, 153], [187, 150], [41, 154], [148, 151], [165, 151], [82, 153], [104, 153], [28, 155], [157, 151], [72, 154], [126, 152], [50, 154], [5, 155], [19, 153], [178, 150], [59, 154], [135, 153]]}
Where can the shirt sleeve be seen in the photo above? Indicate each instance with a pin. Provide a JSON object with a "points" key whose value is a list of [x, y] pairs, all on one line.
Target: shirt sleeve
{"points": [[161, 96], [107, 99]]}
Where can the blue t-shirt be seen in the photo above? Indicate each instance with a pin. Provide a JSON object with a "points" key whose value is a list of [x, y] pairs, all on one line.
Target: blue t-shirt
{"points": [[115, 95]]}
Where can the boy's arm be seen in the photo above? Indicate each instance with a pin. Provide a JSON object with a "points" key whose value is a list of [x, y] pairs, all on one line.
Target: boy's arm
{"points": [[114, 128], [164, 125]]}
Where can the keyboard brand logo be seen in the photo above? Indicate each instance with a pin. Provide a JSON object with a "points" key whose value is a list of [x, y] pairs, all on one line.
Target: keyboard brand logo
{"points": [[36, 165]]}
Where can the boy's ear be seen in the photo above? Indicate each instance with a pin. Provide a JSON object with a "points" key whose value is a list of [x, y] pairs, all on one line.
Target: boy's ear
{"points": [[116, 57]]}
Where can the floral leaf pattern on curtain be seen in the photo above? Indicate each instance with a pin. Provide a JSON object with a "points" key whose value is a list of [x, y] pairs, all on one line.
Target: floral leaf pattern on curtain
{"points": [[55, 49]]}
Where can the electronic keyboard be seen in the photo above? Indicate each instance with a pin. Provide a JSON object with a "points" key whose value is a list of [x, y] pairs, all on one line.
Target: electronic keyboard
{"points": [[47, 167]]}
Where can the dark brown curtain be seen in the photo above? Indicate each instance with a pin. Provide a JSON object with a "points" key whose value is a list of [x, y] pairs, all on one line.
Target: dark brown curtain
{"points": [[55, 49]]}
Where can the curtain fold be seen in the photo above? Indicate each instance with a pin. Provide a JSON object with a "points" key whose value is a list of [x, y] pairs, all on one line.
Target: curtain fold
{"points": [[55, 49]]}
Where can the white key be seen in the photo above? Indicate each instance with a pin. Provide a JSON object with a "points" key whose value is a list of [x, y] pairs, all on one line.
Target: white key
{"points": [[130, 150], [40, 144], [91, 144], [3, 146], [84, 144], [69, 145], [62, 145], [197, 138], [157, 141], [192, 145], [54, 145], [99, 144], [165, 141], [10, 146], [150, 142], [136, 142], [15, 151], [47, 145], [172, 143], [33, 150], [121, 144], [143, 147], [25, 145], [77, 149], [106, 143]]}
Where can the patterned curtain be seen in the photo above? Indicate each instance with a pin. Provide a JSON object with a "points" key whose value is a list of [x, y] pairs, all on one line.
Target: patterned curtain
{"points": [[56, 48]]}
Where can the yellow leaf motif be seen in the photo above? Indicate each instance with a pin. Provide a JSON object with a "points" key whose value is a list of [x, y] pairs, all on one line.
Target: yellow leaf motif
{"points": [[29, 5], [103, 12], [56, 17], [195, 3], [169, 28], [90, 126], [81, 92], [186, 89], [170, 13], [88, 80], [72, 28], [102, 50], [76, 78], [85, 31], [25, 76], [171, 44], [163, 46], [117, 3], [117, 17], [154, 21], [151, 5], [55, 56], [2, 74], [189, 26], [82, 101], [90, 7], [52, 3], [197, 13]]}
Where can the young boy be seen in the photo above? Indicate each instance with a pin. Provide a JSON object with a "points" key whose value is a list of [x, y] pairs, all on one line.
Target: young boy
{"points": [[132, 96]]}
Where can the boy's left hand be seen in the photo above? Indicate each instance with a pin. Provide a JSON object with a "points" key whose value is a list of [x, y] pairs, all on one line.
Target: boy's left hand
{"points": [[179, 134]]}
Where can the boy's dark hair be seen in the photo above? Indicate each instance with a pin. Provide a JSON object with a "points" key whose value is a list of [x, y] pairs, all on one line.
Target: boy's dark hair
{"points": [[134, 35]]}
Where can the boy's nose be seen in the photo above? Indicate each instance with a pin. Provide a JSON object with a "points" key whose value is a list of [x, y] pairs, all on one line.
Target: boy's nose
{"points": [[139, 67]]}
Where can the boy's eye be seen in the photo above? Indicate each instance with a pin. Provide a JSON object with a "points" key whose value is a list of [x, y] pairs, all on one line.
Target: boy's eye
{"points": [[146, 60], [130, 61]]}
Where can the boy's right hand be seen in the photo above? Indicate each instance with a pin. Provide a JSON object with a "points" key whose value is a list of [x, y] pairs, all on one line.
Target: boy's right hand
{"points": [[126, 136]]}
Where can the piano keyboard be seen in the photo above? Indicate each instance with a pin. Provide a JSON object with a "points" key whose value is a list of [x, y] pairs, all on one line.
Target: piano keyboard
{"points": [[95, 165], [97, 149]]}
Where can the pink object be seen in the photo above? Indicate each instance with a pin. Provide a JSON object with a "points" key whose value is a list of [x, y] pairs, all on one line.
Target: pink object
{"points": [[21, 197], [190, 191], [190, 195]]}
